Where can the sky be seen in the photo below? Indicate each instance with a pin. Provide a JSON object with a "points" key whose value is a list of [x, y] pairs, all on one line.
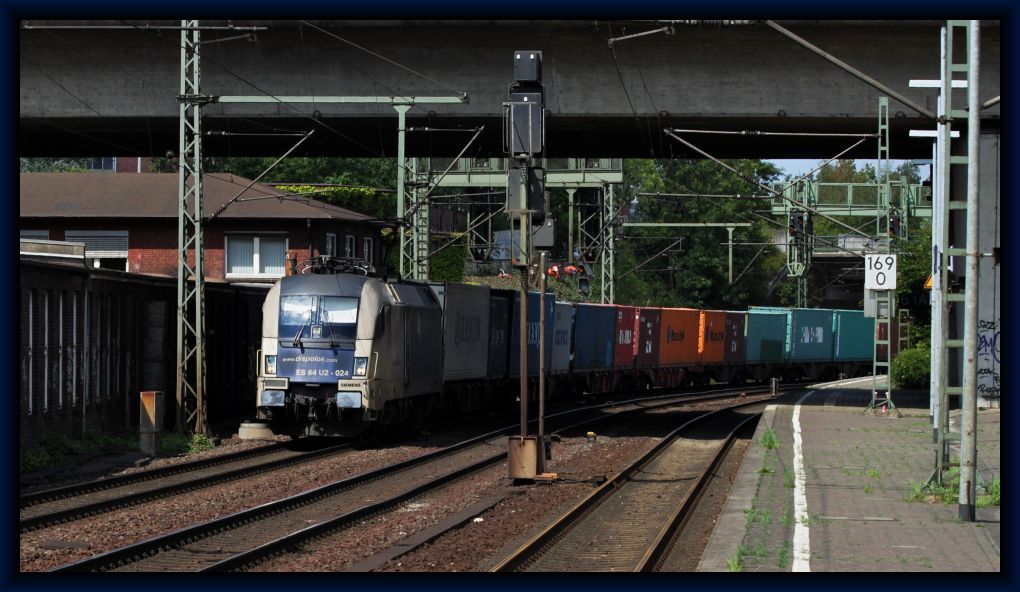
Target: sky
{"points": [[798, 167]]}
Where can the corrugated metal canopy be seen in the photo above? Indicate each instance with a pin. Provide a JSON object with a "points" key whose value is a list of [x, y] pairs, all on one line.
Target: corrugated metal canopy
{"points": [[154, 195]]}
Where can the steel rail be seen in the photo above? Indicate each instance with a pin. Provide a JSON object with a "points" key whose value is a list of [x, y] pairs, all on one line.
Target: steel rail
{"points": [[38, 497], [663, 544], [131, 553], [107, 505], [532, 549], [322, 529]]}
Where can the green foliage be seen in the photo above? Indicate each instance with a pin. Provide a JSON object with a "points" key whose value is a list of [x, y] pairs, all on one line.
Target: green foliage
{"points": [[735, 564], [769, 439], [911, 368], [55, 448], [991, 498], [367, 181], [652, 270], [448, 264], [783, 556], [53, 165], [788, 478], [176, 443]]}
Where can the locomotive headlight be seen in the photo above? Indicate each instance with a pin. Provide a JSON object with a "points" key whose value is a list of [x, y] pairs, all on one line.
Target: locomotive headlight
{"points": [[272, 399], [270, 365], [360, 366]]}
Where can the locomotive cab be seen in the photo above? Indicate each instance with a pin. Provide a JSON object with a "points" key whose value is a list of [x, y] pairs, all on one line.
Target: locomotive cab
{"points": [[335, 351]]}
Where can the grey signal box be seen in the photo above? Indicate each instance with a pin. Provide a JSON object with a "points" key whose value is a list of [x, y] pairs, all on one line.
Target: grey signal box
{"points": [[536, 192], [528, 66], [526, 124]]}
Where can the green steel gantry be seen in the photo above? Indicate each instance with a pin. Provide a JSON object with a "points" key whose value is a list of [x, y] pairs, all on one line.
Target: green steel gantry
{"points": [[571, 174]]}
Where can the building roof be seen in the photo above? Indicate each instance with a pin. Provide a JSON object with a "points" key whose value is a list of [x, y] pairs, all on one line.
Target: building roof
{"points": [[154, 195]]}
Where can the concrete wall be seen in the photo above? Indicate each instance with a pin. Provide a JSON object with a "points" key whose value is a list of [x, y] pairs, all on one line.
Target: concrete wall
{"points": [[122, 85], [75, 378]]}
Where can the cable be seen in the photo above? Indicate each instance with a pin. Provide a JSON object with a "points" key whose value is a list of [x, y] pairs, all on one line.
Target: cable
{"points": [[619, 74], [384, 58]]}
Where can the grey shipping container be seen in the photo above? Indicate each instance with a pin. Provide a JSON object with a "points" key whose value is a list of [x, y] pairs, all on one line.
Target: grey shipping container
{"points": [[766, 336], [466, 332], [855, 335], [563, 323], [500, 302]]}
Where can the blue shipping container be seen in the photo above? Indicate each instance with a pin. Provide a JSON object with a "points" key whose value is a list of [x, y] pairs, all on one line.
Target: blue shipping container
{"points": [[533, 333], [594, 331], [563, 322], [500, 316]]}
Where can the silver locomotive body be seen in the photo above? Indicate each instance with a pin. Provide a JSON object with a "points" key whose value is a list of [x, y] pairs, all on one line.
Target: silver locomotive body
{"points": [[343, 351]]}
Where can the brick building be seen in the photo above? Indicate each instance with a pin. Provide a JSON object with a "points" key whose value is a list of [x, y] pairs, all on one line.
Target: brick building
{"points": [[129, 223]]}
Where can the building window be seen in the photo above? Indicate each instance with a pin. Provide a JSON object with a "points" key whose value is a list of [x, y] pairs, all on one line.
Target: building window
{"points": [[368, 250], [103, 165], [256, 256], [350, 246], [331, 244], [35, 234], [108, 249]]}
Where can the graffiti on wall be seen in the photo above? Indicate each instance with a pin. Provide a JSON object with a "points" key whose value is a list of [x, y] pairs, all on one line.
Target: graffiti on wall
{"points": [[989, 340]]}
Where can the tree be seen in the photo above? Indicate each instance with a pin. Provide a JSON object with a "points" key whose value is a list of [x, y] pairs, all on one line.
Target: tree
{"points": [[652, 270], [53, 165]]}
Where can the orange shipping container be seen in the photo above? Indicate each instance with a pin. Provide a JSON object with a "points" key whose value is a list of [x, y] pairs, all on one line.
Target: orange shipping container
{"points": [[712, 336], [678, 337]]}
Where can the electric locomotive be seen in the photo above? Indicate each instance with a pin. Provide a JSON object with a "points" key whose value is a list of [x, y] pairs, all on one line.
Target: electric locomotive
{"points": [[342, 350]]}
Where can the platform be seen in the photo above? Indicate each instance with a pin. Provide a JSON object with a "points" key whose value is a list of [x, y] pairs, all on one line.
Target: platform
{"points": [[859, 473]]}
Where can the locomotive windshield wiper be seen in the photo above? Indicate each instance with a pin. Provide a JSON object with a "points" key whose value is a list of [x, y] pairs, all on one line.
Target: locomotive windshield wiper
{"points": [[297, 338]]}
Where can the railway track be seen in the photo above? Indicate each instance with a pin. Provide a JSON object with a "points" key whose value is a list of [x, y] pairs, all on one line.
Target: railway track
{"points": [[63, 504], [246, 538], [632, 522]]}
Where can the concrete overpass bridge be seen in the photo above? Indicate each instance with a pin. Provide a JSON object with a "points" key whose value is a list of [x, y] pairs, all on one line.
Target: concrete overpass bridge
{"points": [[112, 88]]}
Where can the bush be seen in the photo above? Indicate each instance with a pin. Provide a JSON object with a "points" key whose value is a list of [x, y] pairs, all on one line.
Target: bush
{"points": [[175, 443], [911, 368]]}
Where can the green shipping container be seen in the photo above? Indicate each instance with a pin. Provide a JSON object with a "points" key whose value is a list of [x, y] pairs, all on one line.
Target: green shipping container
{"points": [[766, 335], [855, 335], [809, 332]]}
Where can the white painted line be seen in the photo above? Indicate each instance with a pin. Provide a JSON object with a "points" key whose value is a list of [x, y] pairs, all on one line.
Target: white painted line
{"points": [[801, 541]]}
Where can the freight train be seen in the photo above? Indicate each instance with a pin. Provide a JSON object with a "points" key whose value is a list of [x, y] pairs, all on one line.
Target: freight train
{"points": [[345, 351]]}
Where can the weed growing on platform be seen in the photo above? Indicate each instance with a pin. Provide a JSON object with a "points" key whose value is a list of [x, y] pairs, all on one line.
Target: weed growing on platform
{"points": [[991, 498], [735, 564], [765, 517], [784, 552], [867, 489], [785, 518], [769, 439], [787, 478], [874, 474]]}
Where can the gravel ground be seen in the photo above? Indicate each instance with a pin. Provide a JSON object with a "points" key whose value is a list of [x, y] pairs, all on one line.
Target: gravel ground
{"points": [[65, 543], [476, 546]]}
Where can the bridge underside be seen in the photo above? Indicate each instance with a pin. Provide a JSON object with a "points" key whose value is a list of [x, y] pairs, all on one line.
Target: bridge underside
{"points": [[114, 92], [591, 136]]}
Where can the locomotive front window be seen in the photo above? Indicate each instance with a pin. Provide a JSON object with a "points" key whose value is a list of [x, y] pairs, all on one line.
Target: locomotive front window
{"points": [[341, 314], [314, 319], [295, 314]]}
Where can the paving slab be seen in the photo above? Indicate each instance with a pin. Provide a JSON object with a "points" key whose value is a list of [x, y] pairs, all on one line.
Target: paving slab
{"points": [[858, 472]]}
